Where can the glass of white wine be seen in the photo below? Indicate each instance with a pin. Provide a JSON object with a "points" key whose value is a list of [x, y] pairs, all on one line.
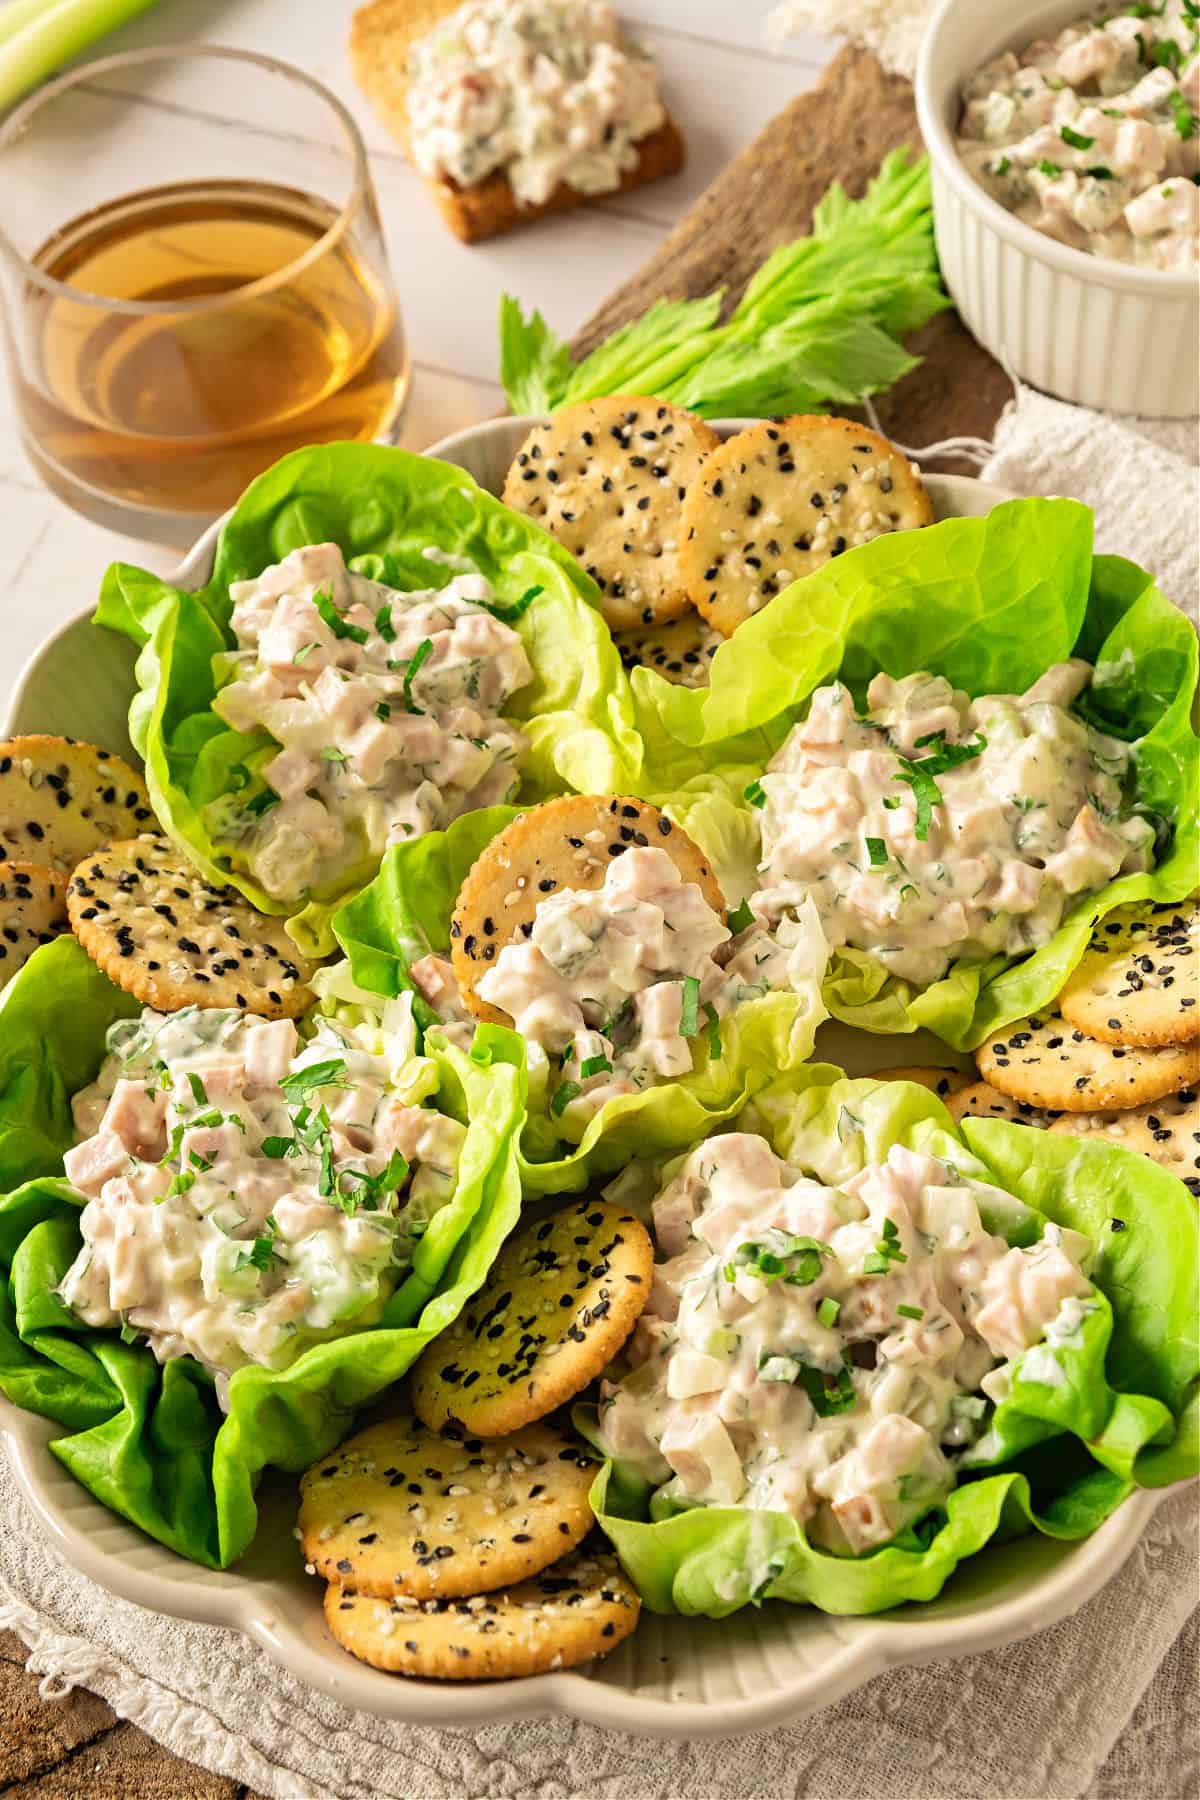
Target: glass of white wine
{"points": [[194, 282]]}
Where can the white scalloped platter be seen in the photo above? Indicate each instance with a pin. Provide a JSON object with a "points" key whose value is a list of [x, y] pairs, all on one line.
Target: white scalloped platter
{"points": [[674, 1677]]}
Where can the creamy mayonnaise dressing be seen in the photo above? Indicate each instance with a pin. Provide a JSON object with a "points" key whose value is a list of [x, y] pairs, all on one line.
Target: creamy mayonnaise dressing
{"points": [[938, 827], [545, 90], [1092, 136], [248, 1189], [831, 1352], [386, 707], [614, 983]]}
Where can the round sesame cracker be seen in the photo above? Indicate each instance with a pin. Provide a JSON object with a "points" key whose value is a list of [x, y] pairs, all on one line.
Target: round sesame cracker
{"points": [[779, 500], [32, 912], [607, 479], [680, 650], [170, 938], [1166, 1130], [399, 1510], [60, 799], [563, 1296], [1046, 1062], [982, 1101], [942, 1082], [565, 843], [580, 1608], [1139, 980]]}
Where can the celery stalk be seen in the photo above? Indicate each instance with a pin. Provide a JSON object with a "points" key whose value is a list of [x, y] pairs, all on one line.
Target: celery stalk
{"points": [[38, 36]]}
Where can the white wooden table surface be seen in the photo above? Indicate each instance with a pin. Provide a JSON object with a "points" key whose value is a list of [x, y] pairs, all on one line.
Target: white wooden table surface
{"points": [[721, 83]]}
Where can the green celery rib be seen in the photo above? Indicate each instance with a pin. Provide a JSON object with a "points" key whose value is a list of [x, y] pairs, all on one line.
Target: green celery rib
{"points": [[38, 36]]}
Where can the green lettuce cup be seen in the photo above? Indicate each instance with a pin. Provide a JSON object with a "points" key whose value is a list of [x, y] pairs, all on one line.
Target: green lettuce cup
{"points": [[373, 503], [989, 604], [405, 914], [1057, 1458], [151, 1441]]}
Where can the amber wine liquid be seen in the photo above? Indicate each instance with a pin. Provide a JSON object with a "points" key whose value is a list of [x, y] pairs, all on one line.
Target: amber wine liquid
{"points": [[177, 407]]}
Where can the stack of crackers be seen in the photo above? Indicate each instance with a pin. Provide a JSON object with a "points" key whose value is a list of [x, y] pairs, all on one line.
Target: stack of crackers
{"points": [[73, 819], [455, 1544], [688, 537], [1119, 1058]]}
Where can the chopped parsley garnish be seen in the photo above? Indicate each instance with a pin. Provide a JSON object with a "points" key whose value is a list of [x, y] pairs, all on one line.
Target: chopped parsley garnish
{"points": [[262, 802], [877, 851], [796, 1259], [414, 663], [1045, 167], [383, 623], [595, 1065], [740, 917], [261, 1257], [755, 794], [828, 1311], [1181, 112], [1166, 54], [911, 1312], [341, 628], [920, 774], [279, 1147], [508, 615], [315, 1075], [180, 1183], [689, 1011], [354, 1188], [828, 1393], [890, 802], [563, 1097], [714, 1031], [1076, 139]]}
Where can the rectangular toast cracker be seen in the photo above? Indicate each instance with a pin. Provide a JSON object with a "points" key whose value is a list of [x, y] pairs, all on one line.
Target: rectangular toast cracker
{"points": [[381, 36]]}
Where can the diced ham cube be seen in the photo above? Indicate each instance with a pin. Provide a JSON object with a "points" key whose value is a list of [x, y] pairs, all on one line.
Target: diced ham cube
{"points": [[291, 772], [269, 1048], [138, 1117], [701, 1452], [90, 1164]]}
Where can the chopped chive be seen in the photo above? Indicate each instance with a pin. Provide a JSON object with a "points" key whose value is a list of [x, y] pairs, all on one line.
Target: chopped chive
{"points": [[305, 650], [1045, 167], [874, 1263], [199, 1093], [277, 1147], [755, 794], [714, 1032], [414, 663], [262, 802], [1184, 117], [828, 1311], [1002, 167], [508, 615], [1099, 172], [911, 1312], [595, 1065], [331, 754], [340, 627], [890, 802], [383, 623], [1076, 139], [563, 1097], [689, 1011], [383, 712], [877, 851]]}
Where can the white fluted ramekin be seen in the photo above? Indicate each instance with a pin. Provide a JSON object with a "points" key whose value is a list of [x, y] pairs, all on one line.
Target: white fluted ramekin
{"points": [[1101, 333]]}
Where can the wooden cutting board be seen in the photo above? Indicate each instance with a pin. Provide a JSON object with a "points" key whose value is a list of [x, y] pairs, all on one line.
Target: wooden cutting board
{"points": [[838, 131]]}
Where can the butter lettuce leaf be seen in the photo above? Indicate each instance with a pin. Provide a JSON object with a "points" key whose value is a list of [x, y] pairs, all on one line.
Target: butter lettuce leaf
{"points": [[405, 913], [151, 1442], [371, 501], [989, 604], [1057, 1459]]}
